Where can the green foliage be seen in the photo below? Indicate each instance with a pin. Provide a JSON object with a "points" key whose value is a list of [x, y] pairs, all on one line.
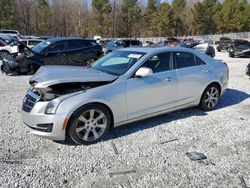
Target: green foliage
{"points": [[234, 16], [42, 17], [179, 16], [204, 16], [162, 21], [100, 15], [130, 13], [7, 14]]}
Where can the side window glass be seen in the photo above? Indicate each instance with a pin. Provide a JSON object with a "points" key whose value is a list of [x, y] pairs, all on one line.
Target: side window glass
{"points": [[184, 59], [199, 61], [75, 44], [58, 47], [1, 44], [159, 63]]}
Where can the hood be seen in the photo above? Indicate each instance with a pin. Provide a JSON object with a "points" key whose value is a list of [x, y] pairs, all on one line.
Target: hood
{"points": [[51, 75]]}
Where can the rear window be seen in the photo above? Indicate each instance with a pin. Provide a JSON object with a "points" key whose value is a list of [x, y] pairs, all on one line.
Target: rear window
{"points": [[184, 59], [2, 44], [79, 44]]}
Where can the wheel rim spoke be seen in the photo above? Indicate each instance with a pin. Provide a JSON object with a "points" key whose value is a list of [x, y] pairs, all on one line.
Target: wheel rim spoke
{"points": [[95, 134], [86, 135], [91, 114], [79, 129], [99, 117], [101, 125], [82, 118]]}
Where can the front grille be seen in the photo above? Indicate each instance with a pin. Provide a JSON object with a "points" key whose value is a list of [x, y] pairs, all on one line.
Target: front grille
{"points": [[30, 100]]}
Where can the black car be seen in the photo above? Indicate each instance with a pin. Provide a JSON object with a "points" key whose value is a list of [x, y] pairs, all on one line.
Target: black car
{"points": [[248, 70], [239, 48], [55, 51], [223, 44]]}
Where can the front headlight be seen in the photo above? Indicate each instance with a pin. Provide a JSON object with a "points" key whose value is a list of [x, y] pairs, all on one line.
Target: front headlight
{"points": [[53, 104]]}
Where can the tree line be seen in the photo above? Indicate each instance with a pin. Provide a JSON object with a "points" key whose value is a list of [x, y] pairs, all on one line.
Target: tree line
{"points": [[124, 18]]}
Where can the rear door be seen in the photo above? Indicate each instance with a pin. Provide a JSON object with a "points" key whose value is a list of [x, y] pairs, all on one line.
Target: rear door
{"points": [[79, 51], [193, 74]]}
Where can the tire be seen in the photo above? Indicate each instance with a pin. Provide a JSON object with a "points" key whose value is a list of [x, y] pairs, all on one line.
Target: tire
{"points": [[4, 53], [89, 60], [210, 98], [89, 124], [33, 68]]}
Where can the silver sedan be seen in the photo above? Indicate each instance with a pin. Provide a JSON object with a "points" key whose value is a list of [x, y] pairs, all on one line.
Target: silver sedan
{"points": [[83, 103]]}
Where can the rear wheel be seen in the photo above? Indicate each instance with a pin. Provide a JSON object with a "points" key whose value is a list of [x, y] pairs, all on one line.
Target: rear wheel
{"points": [[210, 98], [89, 124]]}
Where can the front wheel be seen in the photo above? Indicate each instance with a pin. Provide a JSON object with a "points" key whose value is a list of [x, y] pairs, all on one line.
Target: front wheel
{"points": [[89, 124], [210, 98]]}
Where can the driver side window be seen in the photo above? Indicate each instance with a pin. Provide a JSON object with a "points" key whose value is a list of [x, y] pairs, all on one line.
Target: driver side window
{"points": [[58, 47], [159, 62]]}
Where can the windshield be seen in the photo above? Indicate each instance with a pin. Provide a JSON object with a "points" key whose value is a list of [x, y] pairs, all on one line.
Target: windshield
{"points": [[117, 62], [40, 46]]}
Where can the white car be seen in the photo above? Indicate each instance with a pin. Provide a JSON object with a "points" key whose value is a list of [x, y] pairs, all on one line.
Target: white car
{"points": [[8, 46], [30, 42]]}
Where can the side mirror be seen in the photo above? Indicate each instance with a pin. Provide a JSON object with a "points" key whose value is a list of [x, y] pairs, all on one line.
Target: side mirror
{"points": [[143, 72]]}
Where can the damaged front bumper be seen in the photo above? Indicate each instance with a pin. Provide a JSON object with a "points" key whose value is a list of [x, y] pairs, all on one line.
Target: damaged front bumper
{"points": [[9, 66]]}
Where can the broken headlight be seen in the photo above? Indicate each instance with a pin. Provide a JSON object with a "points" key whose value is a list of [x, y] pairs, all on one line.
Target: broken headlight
{"points": [[53, 104]]}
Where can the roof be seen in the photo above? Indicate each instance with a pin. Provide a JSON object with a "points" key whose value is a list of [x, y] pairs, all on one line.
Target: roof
{"points": [[157, 49], [57, 39]]}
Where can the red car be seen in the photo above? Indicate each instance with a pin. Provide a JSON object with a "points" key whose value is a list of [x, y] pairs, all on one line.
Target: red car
{"points": [[170, 42]]}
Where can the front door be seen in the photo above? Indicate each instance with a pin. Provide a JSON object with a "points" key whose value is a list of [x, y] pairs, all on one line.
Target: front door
{"points": [[56, 54], [154, 93]]}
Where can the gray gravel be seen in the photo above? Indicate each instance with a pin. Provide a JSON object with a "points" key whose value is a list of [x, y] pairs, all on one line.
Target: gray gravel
{"points": [[139, 154]]}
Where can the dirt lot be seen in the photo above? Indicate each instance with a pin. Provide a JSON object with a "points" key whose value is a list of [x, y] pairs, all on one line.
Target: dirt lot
{"points": [[223, 135]]}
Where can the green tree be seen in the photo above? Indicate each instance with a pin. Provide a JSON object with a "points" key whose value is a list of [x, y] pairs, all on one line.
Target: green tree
{"points": [[7, 14], [42, 17], [162, 21], [204, 16], [234, 16], [100, 15], [179, 16], [130, 15]]}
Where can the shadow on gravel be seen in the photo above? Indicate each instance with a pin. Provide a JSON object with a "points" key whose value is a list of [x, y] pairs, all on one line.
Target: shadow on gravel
{"points": [[230, 98]]}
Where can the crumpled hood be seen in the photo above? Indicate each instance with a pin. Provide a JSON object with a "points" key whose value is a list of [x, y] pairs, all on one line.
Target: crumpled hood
{"points": [[50, 75]]}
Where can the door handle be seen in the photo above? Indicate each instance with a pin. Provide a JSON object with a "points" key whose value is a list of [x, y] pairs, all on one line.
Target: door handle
{"points": [[169, 79], [205, 70]]}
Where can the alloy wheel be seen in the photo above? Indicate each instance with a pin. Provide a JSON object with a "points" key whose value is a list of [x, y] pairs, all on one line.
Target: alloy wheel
{"points": [[212, 97], [91, 125]]}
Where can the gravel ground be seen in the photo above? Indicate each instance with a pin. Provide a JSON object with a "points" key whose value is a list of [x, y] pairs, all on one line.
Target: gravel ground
{"points": [[135, 150]]}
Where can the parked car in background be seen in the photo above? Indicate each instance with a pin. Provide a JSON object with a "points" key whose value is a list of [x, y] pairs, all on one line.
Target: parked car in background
{"points": [[31, 42], [117, 44], [223, 44], [55, 51], [127, 85], [205, 47], [8, 46], [170, 42], [248, 70], [239, 48], [9, 32], [189, 42]]}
